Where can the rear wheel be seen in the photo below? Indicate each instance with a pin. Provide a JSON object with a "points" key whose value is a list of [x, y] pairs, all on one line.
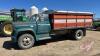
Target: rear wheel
{"points": [[78, 34], [6, 29], [26, 41]]}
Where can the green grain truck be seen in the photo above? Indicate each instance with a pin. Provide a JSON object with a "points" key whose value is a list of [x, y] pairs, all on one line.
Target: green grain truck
{"points": [[45, 25], [6, 20]]}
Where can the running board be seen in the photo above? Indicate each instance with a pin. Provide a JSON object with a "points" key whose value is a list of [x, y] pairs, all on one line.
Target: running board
{"points": [[44, 38]]}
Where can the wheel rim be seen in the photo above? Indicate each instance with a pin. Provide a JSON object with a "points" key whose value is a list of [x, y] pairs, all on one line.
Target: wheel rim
{"points": [[8, 29], [26, 41], [79, 34]]}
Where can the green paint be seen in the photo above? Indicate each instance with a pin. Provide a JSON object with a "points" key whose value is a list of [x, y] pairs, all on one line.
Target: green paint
{"points": [[96, 23], [41, 28], [5, 17]]}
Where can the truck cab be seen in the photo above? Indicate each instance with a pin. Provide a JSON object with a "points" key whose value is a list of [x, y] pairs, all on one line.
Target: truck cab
{"points": [[38, 26]]}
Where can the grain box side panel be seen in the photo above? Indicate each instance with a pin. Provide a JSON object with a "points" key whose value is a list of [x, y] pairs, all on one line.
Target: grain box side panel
{"points": [[71, 16], [71, 22], [88, 22], [65, 20], [80, 23], [80, 20], [80, 16], [59, 16], [59, 21]]}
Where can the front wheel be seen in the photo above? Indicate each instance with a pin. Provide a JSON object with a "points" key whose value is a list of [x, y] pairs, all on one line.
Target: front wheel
{"points": [[78, 34], [26, 41]]}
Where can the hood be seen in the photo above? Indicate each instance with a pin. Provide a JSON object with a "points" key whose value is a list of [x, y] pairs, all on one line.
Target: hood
{"points": [[18, 25]]}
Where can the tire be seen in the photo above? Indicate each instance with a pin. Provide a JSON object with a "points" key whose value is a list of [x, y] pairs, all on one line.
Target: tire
{"points": [[6, 29], [78, 34], [26, 41]]}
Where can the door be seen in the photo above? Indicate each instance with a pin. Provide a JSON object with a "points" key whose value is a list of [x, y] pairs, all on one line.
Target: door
{"points": [[43, 26]]}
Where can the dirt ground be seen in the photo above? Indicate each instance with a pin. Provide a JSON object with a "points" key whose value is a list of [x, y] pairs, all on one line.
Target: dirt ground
{"points": [[88, 46]]}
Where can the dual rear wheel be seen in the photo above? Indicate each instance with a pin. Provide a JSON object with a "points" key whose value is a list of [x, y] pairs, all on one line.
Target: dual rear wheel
{"points": [[78, 34]]}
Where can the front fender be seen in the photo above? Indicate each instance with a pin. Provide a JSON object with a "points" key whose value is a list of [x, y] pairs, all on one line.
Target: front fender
{"points": [[26, 29], [16, 32]]}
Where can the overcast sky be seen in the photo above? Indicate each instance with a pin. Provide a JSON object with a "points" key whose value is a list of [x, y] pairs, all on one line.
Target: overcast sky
{"points": [[73, 5]]}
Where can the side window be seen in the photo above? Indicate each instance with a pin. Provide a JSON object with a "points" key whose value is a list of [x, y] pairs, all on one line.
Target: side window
{"points": [[40, 17], [35, 18], [44, 17]]}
